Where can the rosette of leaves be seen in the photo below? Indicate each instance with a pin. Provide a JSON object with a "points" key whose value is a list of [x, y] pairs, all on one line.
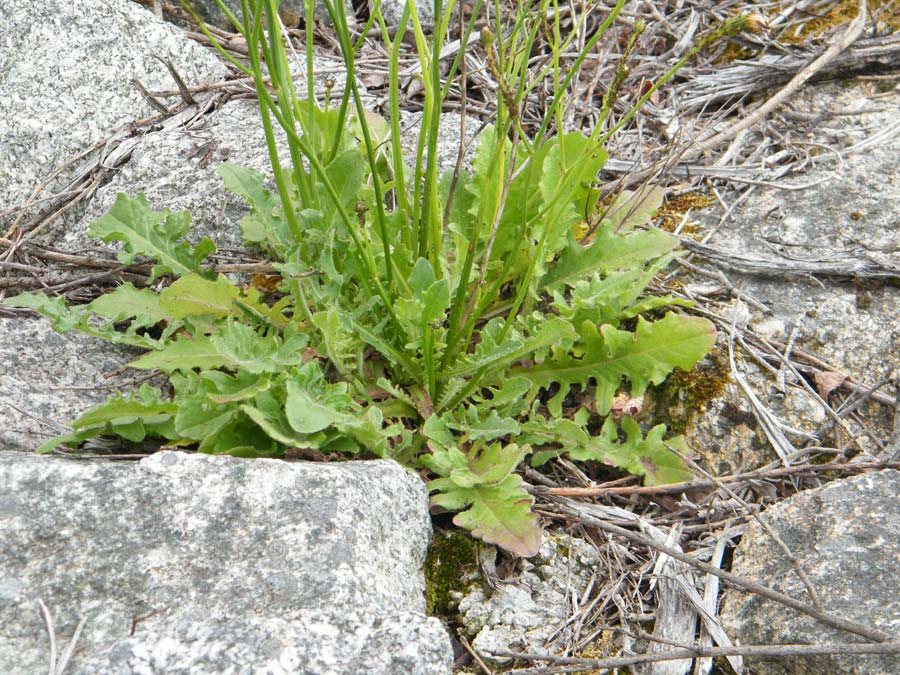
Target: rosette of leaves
{"points": [[447, 322]]}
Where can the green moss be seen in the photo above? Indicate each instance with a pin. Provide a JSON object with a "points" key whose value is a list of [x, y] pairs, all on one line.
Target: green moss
{"points": [[451, 565], [735, 52], [670, 214], [685, 393], [563, 549], [883, 12]]}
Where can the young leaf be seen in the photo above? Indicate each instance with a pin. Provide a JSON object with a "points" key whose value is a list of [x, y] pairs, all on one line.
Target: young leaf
{"points": [[494, 352], [241, 437], [248, 349], [62, 317], [632, 209], [338, 342], [483, 488], [497, 514], [369, 432], [144, 413], [612, 298], [139, 307], [436, 429], [571, 165], [314, 405], [607, 252], [240, 387], [198, 417], [429, 302], [264, 225], [268, 414], [155, 234], [147, 405], [481, 423]]}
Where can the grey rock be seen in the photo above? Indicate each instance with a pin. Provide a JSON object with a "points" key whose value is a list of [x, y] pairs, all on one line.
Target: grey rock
{"points": [[531, 608], [449, 135], [309, 642], [844, 536], [48, 379], [176, 168], [192, 563], [66, 70], [392, 10], [173, 174], [849, 210]]}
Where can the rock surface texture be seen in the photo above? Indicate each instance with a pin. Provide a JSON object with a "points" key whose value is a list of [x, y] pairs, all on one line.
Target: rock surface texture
{"points": [[848, 211], [844, 536], [176, 168], [67, 69], [48, 379], [531, 610], [195, 564], [392, 10], [835, 213]]}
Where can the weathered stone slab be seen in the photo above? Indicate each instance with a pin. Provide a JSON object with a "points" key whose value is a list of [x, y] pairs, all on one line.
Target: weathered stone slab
{"points": [[844, 536], [177, 170], [308, 642], [67, 68], [48, 379], [188, 562], [834, 210]]}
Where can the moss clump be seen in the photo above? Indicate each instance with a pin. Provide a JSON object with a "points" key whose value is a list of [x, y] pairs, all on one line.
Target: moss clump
{"points": [[685, 393], [452, 563], [670, 214], [882, 11], [563, 550], [735, 52]]}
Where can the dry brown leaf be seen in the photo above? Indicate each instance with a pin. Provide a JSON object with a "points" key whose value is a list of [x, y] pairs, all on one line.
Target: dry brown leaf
{"points": [[827, 381]]}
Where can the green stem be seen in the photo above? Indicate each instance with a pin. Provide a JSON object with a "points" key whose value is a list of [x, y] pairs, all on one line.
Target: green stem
{"points": [[310, 7], [262, 94], [338, 17], [280, 72], [397, 159], [576, 66], [364, 254]]}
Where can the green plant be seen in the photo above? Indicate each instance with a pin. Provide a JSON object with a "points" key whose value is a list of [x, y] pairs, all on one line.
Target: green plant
{"points": [[445, 321]]}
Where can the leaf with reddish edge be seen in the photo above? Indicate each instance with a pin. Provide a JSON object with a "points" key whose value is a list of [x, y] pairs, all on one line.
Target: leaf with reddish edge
{"points": [[497, 514]]}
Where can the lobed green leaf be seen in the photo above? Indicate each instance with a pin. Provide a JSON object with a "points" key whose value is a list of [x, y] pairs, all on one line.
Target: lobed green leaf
{"points": [[156, 234], [609, 356]]}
